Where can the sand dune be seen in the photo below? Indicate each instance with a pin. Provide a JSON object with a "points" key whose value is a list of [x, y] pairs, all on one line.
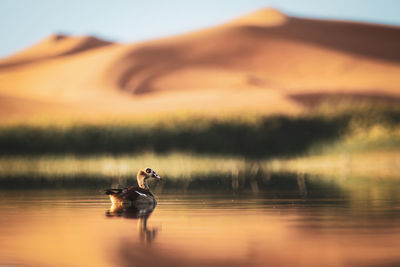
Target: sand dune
{"points": [[265, 62]]}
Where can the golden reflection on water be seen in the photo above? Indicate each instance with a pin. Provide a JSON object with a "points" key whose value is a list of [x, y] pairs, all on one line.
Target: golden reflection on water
{"points": [[198, 231]]}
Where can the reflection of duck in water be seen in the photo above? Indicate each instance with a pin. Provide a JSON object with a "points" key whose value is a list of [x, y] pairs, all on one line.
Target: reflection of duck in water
{"points": [[134, 212], [130, 212], [135, 196]]}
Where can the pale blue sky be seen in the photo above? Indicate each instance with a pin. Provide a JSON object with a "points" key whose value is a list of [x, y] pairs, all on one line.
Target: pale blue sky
{"points": [[24, 22]]}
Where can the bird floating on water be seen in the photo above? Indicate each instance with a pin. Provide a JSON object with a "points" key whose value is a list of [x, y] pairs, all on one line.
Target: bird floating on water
{"points": [[133, 196]]}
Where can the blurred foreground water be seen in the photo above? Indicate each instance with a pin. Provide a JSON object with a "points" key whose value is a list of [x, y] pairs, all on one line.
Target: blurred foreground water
{"points": [[274, 220]]}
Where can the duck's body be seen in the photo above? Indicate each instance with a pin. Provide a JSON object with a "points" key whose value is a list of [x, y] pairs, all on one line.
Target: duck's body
{"points": [[135, 195], [129, 195]]}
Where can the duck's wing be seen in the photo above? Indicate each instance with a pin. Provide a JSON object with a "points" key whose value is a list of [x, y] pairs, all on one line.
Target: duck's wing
{"points": [[132, 193]]}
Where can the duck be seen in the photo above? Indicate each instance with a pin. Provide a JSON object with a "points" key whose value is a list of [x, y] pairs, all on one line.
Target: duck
{"points": [[135, 196]]}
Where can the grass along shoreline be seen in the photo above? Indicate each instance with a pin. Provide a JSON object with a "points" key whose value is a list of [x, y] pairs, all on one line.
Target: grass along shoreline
{"points": [[172, 165], [377, 164], [373, 164]]}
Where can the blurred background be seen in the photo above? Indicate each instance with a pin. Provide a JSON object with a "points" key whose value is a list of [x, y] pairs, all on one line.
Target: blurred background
{"points": [[253, 81]]}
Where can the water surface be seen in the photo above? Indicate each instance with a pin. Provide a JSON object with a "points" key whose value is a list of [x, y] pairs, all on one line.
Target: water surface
{"points": [[314, 222]]}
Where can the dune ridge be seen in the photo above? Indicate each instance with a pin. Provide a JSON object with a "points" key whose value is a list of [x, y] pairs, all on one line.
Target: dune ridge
{"points": [[266, 62], [55, 45], [263, 17]]}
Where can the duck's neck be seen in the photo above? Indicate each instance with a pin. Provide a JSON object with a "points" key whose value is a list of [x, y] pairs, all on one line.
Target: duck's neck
{"points": [[141, 179]]}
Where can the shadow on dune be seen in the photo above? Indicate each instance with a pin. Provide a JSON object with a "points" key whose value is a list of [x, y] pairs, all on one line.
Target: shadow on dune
{"points": [[368, 40], [312, 100], [386, 263]]}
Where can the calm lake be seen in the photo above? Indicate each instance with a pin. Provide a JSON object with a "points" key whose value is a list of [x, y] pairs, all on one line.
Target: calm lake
{"points": [[286, 220]]}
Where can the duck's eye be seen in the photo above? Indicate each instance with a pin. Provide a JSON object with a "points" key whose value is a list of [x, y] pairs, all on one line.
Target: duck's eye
{"points": [[148, 170]]}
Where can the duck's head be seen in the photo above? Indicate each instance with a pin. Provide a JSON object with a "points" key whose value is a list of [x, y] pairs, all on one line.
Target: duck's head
{"points": [[145, 174]]}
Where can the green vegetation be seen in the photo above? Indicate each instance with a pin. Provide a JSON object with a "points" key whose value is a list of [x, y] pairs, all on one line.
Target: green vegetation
{"points": [[260, 138], [361, 138]]}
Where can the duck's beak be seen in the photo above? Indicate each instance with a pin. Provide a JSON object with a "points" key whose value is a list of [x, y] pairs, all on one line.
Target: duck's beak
{"points": [[155, 175]]}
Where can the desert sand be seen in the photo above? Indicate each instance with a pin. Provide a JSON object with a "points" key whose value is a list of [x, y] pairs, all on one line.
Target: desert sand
{"points": [[264, 62]]}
